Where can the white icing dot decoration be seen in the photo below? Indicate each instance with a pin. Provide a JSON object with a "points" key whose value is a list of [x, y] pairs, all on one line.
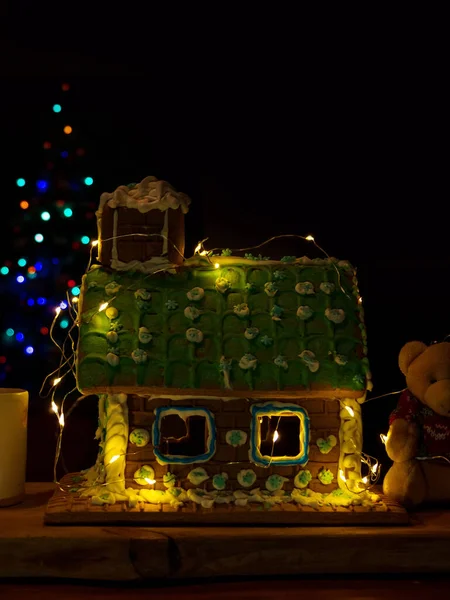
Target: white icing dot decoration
{"points": [[145, 337], [112, 359], [140, 437], [336, 315], [236, 437], [219, 481], [145, 472], [142, 294], [309, 358], [112, 337], [327, 287], [275, 482], [197, 476], [304, 312], [196, 294], [246, 477], [194, 335], [304, 288], [112, 288], [248, 361], [251, 332], [139, 356], [191, 313], [112, 313]]}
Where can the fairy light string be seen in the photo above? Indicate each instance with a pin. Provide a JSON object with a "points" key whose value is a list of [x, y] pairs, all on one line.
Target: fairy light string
{"points": [[68, 360]]}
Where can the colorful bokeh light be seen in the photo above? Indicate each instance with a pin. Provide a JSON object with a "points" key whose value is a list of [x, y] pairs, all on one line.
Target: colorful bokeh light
{"points": [[76, 291], [10, 332], [67, 212], [20, 278], [24, 205], [47, 145], [39, 238], [38, 266], [57, 108], [30, 302], [64, 324], [88, 180], [42, 185], [4, 270], [22, 262], [45, 216], [41, 301], [20, 337], [29, 350], [44, 330], [71, 283], [31, 270], [68, 129], [85, 240], [20, 182]]}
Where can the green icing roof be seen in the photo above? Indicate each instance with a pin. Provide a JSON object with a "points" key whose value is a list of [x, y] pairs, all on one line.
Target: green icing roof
{"points": [[260, 297]]}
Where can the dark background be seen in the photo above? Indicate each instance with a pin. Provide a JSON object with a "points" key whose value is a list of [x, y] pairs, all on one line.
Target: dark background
{"points": [[344, 143]]}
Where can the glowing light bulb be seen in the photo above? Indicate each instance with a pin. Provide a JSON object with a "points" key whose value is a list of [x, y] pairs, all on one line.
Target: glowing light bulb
{"points": [[20, 278], [76, 291], [4, 270], [75, 300], [57, 310], [67, 212], [103, 306], [54, 408], [198, 247], [216, 266], [22, 262], [85, 240], [365, 480], [350, 411], [57, 108], [276, 435], [24, 205], [150, 481], [45, 216], [88, 181], [20, 182], [383, 438], [39, 238], [309, 238], [374, 468], [64, 324], [341, 475], [29, 350], [114, 458], [57, 380], [68, 129], [359, 299], [61, 419], [94, 243]]}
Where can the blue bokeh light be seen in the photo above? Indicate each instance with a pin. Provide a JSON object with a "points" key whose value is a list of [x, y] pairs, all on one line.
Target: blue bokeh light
{"points": [[42, 185], [41, 301], [29, 350], [20, 337], [20, 278], [30, 302]]}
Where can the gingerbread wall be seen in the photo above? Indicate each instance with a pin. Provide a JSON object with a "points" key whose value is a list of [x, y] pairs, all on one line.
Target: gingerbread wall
{"points": [[235, 414]]}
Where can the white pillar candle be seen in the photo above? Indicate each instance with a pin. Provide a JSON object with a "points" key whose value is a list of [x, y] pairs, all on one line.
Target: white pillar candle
{"points": [[13, 445]]}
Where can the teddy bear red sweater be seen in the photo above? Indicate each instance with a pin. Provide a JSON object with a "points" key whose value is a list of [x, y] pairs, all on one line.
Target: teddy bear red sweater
{"points": [[434, 429]]}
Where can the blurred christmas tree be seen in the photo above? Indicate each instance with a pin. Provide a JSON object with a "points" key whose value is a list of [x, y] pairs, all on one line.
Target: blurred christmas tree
{"points": [[50, 220]]}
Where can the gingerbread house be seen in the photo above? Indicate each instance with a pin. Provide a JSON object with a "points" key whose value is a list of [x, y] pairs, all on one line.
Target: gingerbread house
{"points": [[227, 386]]}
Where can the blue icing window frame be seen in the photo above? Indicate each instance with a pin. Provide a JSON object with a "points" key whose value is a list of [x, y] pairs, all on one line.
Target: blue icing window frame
{"points": [[274, 409], [164, 459]]}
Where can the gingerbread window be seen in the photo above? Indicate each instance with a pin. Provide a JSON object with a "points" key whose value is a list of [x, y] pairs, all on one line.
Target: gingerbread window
{"points": [[183, 435], [279, 434]]}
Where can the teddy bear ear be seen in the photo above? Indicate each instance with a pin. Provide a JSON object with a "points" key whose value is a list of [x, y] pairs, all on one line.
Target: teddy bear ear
{"points": [[408, 353]]}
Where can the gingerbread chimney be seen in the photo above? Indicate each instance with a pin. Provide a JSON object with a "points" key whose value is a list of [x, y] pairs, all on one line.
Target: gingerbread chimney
{"points": [[141, 226]]}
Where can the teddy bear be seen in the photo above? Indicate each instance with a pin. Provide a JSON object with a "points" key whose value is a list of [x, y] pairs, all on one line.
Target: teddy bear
{"points": [[419, 428]]}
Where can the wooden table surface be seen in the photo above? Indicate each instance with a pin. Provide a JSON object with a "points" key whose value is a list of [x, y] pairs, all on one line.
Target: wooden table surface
{"points": [[162, 555]]}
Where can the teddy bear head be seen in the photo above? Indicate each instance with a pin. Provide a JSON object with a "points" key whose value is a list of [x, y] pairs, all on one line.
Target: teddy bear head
{"points": [[427, 372]]}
